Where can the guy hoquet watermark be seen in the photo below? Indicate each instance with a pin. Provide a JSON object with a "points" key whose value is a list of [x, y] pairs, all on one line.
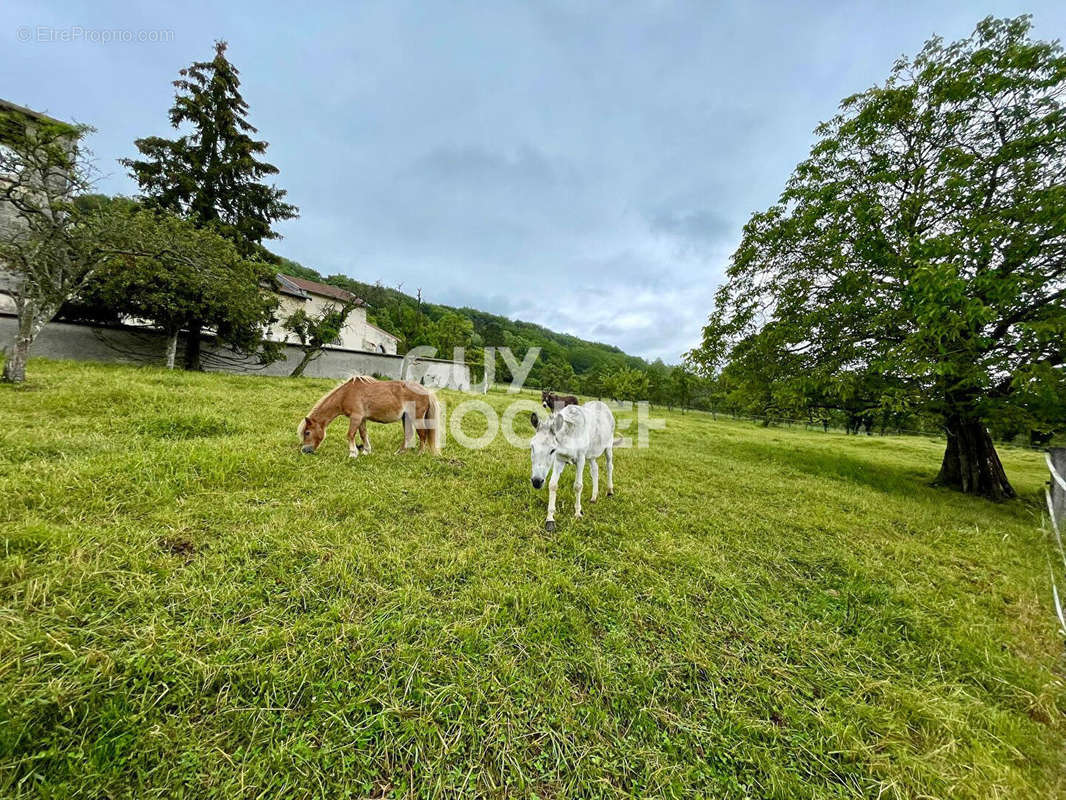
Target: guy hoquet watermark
{"points": [[517, 413], [77, 33]]}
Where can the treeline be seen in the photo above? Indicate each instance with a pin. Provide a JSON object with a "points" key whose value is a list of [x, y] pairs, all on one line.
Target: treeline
{"points": [[861, 402]]}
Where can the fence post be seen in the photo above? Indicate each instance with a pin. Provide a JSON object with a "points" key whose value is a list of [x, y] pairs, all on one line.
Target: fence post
{"points": [[1056, 506], [1056, 461]]}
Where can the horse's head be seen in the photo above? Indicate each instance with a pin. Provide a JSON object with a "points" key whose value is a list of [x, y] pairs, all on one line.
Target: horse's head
{"points": [[543, 445], [311, 433], [546, 398]]}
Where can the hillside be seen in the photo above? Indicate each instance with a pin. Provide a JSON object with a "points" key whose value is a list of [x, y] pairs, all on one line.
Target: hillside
{"points": [[191, 608], [566, 362]]}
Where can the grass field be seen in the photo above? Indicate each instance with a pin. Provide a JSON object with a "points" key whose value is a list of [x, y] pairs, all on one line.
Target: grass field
{"points": [[190, 608]]}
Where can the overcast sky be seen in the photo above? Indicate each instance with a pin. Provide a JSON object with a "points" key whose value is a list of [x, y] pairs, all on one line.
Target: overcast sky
{"points": [[584, 165]]}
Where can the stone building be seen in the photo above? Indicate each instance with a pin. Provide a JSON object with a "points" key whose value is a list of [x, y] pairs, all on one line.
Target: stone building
{"points": [[314, 298], [8, 215]]}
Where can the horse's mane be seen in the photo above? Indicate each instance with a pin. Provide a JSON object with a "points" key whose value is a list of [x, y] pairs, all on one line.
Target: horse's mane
{"points": [[322, 400]]}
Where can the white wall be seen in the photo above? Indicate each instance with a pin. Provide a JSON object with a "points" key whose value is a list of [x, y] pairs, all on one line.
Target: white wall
{"points": [[357, 333], [134, 345], [7, 302]]}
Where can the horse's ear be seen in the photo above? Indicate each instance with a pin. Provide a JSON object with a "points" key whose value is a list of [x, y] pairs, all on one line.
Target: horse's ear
{"points": [[533, 419], [307, 420], [558, 423]]}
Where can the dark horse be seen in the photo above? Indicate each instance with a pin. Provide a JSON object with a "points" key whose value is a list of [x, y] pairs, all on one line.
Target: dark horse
{"points": [[554, 402]]}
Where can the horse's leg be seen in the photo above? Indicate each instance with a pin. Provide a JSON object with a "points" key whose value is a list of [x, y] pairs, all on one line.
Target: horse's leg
{"points": [[578, 484], [422, 430], [354, 423], [610, 471], [364, 436], [594, 473], [408, 420], [553, 485]]}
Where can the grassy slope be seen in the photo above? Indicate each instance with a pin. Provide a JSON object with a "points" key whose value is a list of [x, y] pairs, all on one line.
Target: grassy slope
{"points": [[188, 605]]}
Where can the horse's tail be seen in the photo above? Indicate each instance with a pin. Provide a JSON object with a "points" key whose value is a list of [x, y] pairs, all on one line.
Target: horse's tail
{"points": [[433, 423]]}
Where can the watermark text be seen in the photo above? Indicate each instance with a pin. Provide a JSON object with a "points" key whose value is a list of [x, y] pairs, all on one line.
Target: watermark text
{"points": [[70, 34]]}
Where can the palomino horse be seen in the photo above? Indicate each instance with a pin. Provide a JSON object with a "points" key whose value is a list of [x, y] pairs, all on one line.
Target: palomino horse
{"points": [[573, 435], [361, 399]]}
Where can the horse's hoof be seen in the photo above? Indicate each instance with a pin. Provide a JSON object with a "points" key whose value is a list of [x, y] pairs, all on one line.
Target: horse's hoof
{"points": [[610, 494], [549, 525]]}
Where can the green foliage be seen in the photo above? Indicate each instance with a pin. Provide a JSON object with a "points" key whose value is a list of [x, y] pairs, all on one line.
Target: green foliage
{"points": [[45, 242], [213, 174], [192, 609], [187, 277], [449, 331], [559, 376], [289, 267], [315, 331], [52, 244], [917, 259], [683, 382], [626, 384]]}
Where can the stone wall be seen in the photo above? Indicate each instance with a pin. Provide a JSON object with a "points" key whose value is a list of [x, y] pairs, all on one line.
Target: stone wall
{"points": [[131, 345]]}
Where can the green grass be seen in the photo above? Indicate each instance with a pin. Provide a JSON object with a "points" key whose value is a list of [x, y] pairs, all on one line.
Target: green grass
{"points": [[190, 608]]}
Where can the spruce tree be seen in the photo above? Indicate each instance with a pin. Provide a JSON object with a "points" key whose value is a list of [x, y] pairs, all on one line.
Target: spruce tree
{"points": [[213, 174]]}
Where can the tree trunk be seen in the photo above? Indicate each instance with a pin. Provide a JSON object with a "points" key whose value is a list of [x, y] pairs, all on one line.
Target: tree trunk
{"points": [[15, 365], [971, 464], [172, 348], [31, 319], [192, 349], [309, 356]]}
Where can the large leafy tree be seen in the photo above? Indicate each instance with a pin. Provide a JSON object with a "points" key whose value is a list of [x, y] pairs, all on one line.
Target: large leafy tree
{"points": [[49, 246], [452, 330], [558, 375], [190, 277], [682, 380], [924, 242], [626, 384], [42, 168], [213, 175]]}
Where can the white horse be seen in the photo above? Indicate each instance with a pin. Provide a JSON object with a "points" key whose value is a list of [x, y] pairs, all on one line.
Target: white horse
{"points": [[570, 436]]}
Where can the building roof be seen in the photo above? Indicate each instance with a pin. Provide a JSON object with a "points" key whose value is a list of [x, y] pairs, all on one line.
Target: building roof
{"points": [[7, 105], [286, 286], [301, 287]]}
